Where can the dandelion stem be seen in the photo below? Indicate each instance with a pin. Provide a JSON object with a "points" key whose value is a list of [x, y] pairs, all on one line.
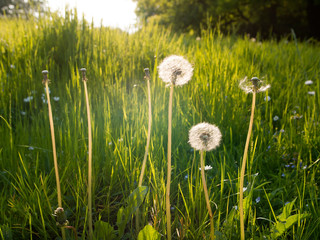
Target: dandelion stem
{"points": [[74, 231], [243, 166], [148, 142], [168, 213], [206, 195], [90, 157], [46, 82], [149, 131]]}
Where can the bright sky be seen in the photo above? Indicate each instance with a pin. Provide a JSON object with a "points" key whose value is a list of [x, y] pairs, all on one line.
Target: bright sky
{"points": [[114, 13]]}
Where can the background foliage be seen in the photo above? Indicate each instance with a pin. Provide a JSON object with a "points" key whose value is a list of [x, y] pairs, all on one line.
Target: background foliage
{"points": [[267, 18]]}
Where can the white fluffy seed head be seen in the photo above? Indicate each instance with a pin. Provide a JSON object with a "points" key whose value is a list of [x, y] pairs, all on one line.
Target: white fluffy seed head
{"points": [[175, 70], [204, 136], [254, 83]]}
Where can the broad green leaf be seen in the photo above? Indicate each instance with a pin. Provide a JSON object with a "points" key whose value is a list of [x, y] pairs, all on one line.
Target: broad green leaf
{"points": [[121, 220], [134, 201], [286, 211], [283, 226], [103, 231], [148, 233]]}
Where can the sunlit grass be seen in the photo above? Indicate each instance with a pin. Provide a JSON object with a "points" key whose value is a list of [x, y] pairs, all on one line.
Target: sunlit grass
{"points": [[285, 153]]}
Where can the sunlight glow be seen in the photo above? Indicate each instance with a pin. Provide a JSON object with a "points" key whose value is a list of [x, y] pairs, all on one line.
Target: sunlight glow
{"points": [[114, 13]]}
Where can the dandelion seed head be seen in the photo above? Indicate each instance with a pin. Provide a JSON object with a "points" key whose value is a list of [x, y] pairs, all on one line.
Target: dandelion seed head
{"points": [[204, 137], [175, 70], [254, 83]]}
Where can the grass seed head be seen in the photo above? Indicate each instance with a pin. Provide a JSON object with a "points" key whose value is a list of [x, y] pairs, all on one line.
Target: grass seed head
{"points": [[175, 70], [204, 137]]}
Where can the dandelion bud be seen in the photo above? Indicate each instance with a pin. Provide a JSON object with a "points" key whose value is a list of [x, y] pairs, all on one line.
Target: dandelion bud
{"points": [[61, 219]]}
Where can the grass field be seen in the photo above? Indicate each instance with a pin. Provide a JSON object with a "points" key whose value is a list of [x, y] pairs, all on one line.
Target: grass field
{"points": [[282, 173]]}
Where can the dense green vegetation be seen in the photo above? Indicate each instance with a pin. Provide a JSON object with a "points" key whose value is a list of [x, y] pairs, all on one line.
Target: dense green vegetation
{"points": [[263, 18], [283, 164]]}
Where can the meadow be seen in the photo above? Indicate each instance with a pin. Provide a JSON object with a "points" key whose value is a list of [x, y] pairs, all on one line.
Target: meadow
{"points": [[282, 172]]}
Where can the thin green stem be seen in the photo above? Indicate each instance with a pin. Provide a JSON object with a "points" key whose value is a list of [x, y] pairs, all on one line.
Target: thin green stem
{"points": [[206, 195], [168, 213], [56, 170], [89, 163], [243, 166], [147, 146]]}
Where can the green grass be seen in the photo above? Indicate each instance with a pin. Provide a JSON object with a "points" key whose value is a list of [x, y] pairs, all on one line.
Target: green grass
{"points": [[115, 62]]}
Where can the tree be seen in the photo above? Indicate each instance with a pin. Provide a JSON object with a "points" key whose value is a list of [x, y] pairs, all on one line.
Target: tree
{"points": [[20, 7], [239, 16]]}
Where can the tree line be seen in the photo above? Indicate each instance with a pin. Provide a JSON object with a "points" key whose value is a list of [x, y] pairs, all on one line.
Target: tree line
{"points": [[268, 18]]}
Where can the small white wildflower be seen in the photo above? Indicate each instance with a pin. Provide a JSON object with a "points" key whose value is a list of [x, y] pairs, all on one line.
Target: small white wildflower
{"points": [[204, 137], [12, 66], [28, 99], [207, 167], [275, 118], [175, 70], [254, 83], [23, 113], [120, 140], [235, 207], [304, 167], [245, 189], [135, 85], [56, 99], [282, 130], [312, 93], [110, 143], [186, 177], [31, 148], [309, 82], [258, 199], [267, 99], [48, 89]]}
